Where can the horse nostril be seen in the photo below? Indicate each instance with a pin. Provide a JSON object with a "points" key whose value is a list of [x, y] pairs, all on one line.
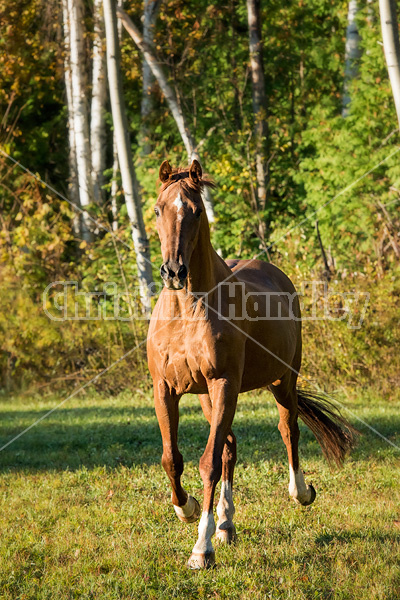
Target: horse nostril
{"points": [[164, 271], [182, 273], [167, 273]]}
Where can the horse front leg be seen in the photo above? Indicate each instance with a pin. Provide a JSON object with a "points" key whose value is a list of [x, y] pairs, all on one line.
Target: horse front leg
{"points": [[223, 396], [167, 410], [226, 531]]}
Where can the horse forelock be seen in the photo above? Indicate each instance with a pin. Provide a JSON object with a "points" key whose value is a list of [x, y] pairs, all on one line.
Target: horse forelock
{"points": [[182, 174]]}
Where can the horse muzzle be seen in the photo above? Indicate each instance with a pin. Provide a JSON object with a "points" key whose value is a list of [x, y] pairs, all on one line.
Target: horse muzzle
{"points": [[174, 275]]}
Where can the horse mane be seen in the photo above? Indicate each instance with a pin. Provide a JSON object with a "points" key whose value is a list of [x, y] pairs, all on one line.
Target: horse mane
{"points": [[182, 174]]}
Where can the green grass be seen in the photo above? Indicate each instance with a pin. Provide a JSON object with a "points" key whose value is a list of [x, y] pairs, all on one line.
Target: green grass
{"points": [[85, 509]]}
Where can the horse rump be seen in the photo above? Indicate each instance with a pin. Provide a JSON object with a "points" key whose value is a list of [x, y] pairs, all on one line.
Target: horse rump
{"points": [[334, 433]]}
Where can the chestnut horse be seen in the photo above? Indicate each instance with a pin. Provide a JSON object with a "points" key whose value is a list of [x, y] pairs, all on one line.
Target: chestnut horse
{"points": [[204, 339]]}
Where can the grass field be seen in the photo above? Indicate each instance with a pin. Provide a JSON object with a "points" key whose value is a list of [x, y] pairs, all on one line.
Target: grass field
{"points": [[85, 509]]}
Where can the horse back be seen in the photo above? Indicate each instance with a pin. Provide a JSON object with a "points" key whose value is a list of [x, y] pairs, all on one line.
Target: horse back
{"points": [[261, 276]]}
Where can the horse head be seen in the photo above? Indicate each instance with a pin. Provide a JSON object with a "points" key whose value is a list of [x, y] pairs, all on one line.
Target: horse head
{"points": [[180, 213]]}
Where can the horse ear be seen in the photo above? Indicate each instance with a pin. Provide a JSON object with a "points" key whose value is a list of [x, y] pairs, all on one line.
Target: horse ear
{"points": [[165, 171], [195, 171]]}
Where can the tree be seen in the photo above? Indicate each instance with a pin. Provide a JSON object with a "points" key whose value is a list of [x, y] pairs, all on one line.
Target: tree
{"points": [[80, 112], [352, 54], [115, 168], [125, 159], [176, 111], [97, 115], [73, 186], [391, 45], [149, 17], [259, 110]]}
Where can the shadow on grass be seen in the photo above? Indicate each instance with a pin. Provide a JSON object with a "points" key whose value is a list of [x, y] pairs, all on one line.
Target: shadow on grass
{"points": [[110, 436]]}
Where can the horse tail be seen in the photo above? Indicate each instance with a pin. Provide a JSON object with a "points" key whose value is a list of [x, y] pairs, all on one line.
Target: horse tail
{"points": [[334, 433]]}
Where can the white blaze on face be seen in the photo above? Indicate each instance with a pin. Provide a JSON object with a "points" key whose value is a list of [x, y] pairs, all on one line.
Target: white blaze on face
{"points": [[179, 207], [206, 531], [225, 508], [298, 488]]}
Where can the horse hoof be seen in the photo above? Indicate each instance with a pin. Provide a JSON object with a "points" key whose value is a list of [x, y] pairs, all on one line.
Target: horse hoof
{"points": [[180, 511], [312, 497], [202, 561], [226, 536]]}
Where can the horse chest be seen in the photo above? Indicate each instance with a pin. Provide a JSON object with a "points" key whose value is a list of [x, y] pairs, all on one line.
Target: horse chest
{"points": [[186, 361]]}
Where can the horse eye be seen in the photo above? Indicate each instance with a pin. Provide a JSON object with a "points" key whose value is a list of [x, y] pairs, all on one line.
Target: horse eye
{"points": [[157, 211], [198, 212]]}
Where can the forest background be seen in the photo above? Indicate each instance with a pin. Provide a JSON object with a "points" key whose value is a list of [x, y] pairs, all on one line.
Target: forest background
{"points": [[324, 144]]}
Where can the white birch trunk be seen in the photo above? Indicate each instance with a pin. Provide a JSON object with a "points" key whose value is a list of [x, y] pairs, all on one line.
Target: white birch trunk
{"points": [[80, 113], [73, 188], [172, 102], [125, 159], [352, 54], [259, 107], [114, 186], [97, 121], [114, 182], [149, 18], [391, 45]]}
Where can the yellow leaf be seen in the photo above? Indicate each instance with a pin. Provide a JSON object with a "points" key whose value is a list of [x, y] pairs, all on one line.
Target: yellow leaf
{"points": [[82, 245], [19, 217]]}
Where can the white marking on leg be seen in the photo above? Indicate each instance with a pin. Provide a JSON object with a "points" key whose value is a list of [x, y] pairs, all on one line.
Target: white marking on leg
{"points": [[206, 531], [298, 488], [225, 508], [179, 206], [187, 509]]}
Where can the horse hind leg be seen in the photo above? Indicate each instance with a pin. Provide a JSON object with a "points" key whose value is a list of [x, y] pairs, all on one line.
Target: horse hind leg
{"points": [[286, 398], [226, 531]]}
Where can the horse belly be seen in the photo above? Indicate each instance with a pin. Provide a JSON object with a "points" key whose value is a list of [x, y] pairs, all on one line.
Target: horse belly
{"points": [[272, 350]]}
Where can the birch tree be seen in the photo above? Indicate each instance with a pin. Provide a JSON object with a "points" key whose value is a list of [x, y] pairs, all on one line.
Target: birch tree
{"points": [[259, 107], [352, 54], [80, 111], [391, 45], [114, 181], [97, 120], [73, 188], [170, 97], [114, 186], [125, 159], [150, 12]]}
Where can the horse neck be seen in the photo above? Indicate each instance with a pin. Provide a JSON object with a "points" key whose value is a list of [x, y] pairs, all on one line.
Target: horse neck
{"points": [[205, 267]]}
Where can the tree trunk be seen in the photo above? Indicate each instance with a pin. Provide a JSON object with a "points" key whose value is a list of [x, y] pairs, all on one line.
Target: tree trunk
{"points": [[259, 107], [97, 122], [327, 274], [151, 8], [114, 181], [391, 45], [114, 186], [352, 55], [125, 159], [172, 102], [80, 113], [73, 188]]}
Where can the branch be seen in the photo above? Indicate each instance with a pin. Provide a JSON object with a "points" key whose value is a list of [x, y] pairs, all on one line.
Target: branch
{"points": [[328, 272], [171, 99], [161, 79]]}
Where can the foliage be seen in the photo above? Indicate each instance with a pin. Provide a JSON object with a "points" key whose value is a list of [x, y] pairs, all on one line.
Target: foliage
{"points": [[320, 169], [37, 248]]}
